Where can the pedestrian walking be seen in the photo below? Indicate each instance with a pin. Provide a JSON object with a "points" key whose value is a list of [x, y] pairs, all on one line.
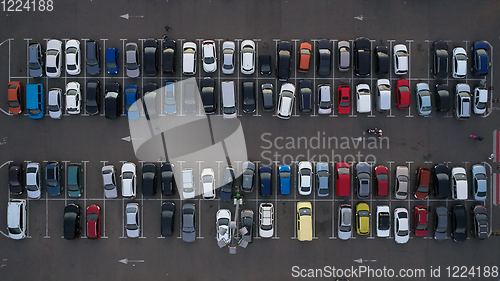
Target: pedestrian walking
{"points": [[492, 156]]}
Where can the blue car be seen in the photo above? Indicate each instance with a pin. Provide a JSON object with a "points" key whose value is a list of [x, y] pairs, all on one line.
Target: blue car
{"points": [[35, 100], [52, 177], [284, 183], [265, 180], [112, 60], [481, 63], [131, 97], [170, 106]]}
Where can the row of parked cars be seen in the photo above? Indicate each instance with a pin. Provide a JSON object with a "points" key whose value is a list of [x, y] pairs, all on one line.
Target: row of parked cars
{"points": [[438, 181], [362, 57]]}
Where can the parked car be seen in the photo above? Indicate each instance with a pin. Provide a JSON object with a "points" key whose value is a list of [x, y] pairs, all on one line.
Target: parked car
{"points": [[17, 219], [188, 222], [132, 65], [92, 58], [324, 57], [363, 98], [344, 99], [169, 56], [424, 106], [383, 60], [362, 219], [266, 220], [265, 64], [381, 181], [441, 181], [167, 179], [131, 102], [92, 97], [441, 223], [440, 61], [324, 99], [481, 228], [71, 218], [33, 180], [248, 175], [481, 61], [75, 180], [383, 95], [462, 101], [285, 103], [222, 220], [169, 101], [248, 100], [53, 58], [150, 57], [363, 176], [167, 219], [188, 187], [401, 226], [459, 223], [420, 221], [208, 183], [480, 100], [228, 53], [149, 171], [132, 227], [322, 179], [35, 60], [207, 93], [383, 221], [228, 100], [459, 185], [247, 57], [35, 101], [112, 60], [14, 97], [15, 178], [109, 181], [442, 98], [283, 60], [459, 63], [189, 58], [73, 57], [112, 100], [305, 54], [362, 57], [305, 177], [209, 56], [284, 179], [267, 97], [344, 58], [403, 94], [423, 183], [128, 178], [305, 99], [304, 221], [73, 98], [266, 182], [93, 222], [247, 222], [344, 230], [402, 182], [54, 104], [226, 190], [151, 102], [479, 182], [342, 179], [53, 178], [401, 59]]}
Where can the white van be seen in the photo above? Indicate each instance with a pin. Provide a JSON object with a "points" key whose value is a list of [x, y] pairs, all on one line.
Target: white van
{"points": [[228, 100], [188, 188], [383, 95], [189, 58], [16, 218]]}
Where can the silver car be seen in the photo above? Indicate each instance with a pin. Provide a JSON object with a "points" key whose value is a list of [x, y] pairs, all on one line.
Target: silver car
{"points": [[109, 181], [441, 229], [132, 217], [344, 55], [132, 60], [34, 180], [53, 57], [266, 220], [345, 222], [285, 102], [479, 183], [248, 176], [325, 99], [228, 48], [402, 182], [54, 105], [188, 223], [363, 170], [424, 106], [322, 178]]}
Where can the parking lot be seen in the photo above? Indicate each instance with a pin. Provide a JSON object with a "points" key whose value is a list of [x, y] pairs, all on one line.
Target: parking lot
{"points": [[408, 140]]}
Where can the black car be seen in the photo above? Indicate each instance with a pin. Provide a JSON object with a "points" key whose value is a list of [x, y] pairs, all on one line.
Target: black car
{"points": [[267, 97], [149, 87], [265, 64], [167, 219], [248, 100], [71, 221], [382, 58], [150, 57], [149, 179], [207, 92], [440, 65], [442, 97], [168, 56], [92, 58], [362, 60], [324, 57], [441, 181], [283, 60], [112, 100], [167, 179], [93, 97], [15, 179], [459, 224], [481, 228], [305, 98], [226, 190], [247, 221]]}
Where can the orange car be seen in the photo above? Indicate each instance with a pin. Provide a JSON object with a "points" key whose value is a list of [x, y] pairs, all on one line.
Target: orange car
{"points": [[305, 52], [14, 97]]}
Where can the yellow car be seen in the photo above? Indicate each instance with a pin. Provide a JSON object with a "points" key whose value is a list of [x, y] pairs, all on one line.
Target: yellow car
{"points": [[304, 221], [363, 219]]}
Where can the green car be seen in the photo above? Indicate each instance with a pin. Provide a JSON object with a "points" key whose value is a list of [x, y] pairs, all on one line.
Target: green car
{"points": [[75, 180]]}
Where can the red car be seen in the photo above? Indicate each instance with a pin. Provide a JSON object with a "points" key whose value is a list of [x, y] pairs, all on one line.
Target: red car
{"points": [[423, 183], [420, 221], [93, 222], [14, 97], [381, 181], [342, 179], [344, 103], [305, 52], [403, 95]]}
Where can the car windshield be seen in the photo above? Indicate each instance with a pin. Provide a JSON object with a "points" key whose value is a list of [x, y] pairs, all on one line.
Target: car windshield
{"points": [[207, 179], [404, 89], [481, 217], [402, 232], [285, 175], [266, 227], [363, 213], [35, 111], [305, 211], [229, 110], [343, 171], [382, 177], [111, 64], [384, 222], [34, 65], [15, 230], [223, 221], [92, 217], [209, 60], [132, 226], [128, 175]]}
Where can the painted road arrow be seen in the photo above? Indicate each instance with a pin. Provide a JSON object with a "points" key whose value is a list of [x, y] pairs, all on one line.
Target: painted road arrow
{"points": [[126, 261], [360, 260], [127, 16]]}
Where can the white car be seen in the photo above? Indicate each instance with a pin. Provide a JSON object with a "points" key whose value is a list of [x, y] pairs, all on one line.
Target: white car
{"points": [[189, 58], [72, 52], [266, 220], [363, 98], [228, 49], [383, 95], [480, 100], [383, 221], [305, 177], [16, 219], [209, 56], [33, 180], [132, 216], [459, 63], [401, 226], [53, 58], [73, 98], [208, 183], [345, 222], [285, 102], [223, 218], [109, 181], [325, 99], [188, 189], [128, 177], [54, 104], [247, 57], [459, 187], [400, 59]]}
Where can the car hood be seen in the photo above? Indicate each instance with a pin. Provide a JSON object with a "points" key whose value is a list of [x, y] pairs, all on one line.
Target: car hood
{"points": [[344, 235], [188, 236], [266, 233]]}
